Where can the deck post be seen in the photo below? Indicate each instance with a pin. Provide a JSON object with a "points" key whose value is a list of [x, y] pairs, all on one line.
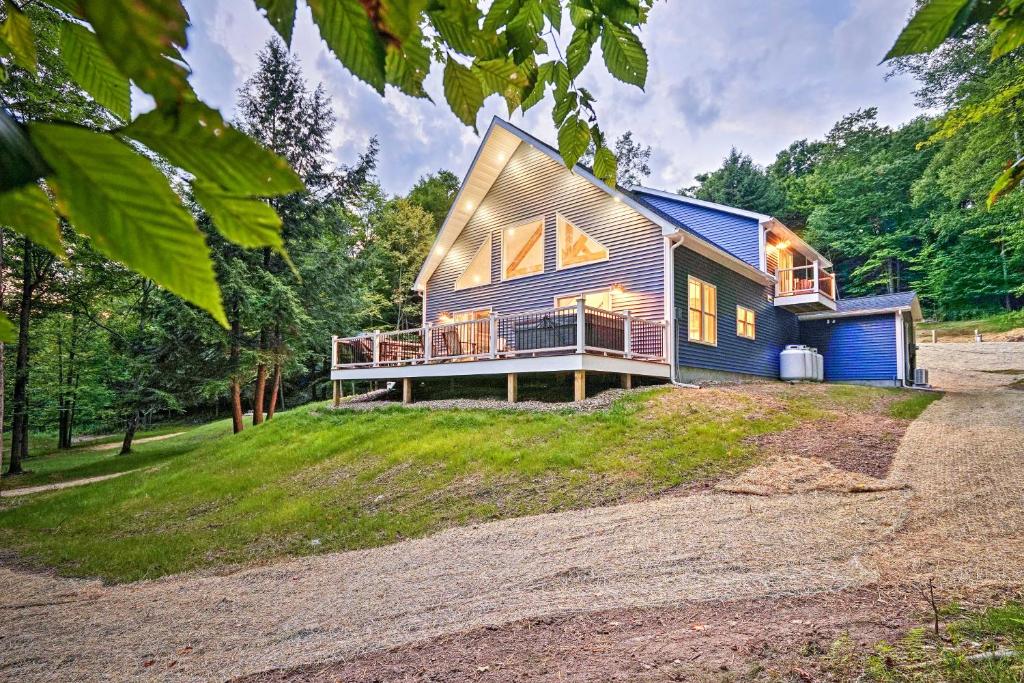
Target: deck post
{"points": [[816, 287], [581, 325], [513, 387], [579, 385], [428, 341], [336, 398], [627, 341], [407, 390], [493, 330], [627, 380], [376, 348], [334, 351]]}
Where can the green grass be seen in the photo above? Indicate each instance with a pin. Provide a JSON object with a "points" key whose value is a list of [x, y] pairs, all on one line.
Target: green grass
{"points": [[1002, 322], [910, 408], [922, 658], [48, 465], [355, 480]]}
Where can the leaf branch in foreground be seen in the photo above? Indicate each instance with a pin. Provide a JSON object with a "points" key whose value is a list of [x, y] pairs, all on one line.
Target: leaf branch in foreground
{"points": [[27, 210], [92, 69], [116, 197]]}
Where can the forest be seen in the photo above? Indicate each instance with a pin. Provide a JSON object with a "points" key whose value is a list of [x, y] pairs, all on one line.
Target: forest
{"points": [[102, 348]]}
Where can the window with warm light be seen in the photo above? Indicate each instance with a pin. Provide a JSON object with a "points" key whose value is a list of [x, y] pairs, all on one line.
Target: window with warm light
{"points": [[522, 250], [745, 322], [478, 272], [600, 299], [703, 310], [575, 247]]}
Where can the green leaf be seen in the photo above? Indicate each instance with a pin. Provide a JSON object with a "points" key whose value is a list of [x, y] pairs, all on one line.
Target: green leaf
{"points": [[196, 138], [573, 139], [72, 7], [560, 77], [622, 12], [27, 211], [347, 29], [116, 197], [8, 333], [605, 165], [281, 15], [16, 34], [92, 69], [500, 75], [1009, 35], [407, 67], [501, 12], [624, 55], [565, 103], [457, 22], [142, 38], [577, 54], [526, 25], [247, 222], [540, 83], [464, 92], [933, 22], [579, 15], [553, 11], [401, 18], [1008, 181], [20, 163]]}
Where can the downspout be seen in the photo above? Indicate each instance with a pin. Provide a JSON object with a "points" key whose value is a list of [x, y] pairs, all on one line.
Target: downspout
{"points": [[670, 319]]}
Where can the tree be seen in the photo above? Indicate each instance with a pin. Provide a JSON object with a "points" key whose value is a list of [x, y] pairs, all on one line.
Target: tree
{"points": [[112, 193], [434, 193], [741, 183], [633, 160]]}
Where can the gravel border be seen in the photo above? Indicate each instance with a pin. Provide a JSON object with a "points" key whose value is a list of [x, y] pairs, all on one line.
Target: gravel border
{"points": [[376, 400]]}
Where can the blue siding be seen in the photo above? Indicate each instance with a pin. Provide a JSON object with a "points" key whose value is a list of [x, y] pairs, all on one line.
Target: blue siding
{"points": [[738, 235], [775, 327], [858, 348], [533, 185]]}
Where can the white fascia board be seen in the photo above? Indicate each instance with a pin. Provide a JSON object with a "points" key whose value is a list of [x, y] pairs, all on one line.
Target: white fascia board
{"points": [[854, 314], [900, 348]]}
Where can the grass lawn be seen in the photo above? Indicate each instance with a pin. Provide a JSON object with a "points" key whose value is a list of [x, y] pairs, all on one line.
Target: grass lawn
{"points": [[313, 480], [963, 653], [1003, 322], [47, 465]]}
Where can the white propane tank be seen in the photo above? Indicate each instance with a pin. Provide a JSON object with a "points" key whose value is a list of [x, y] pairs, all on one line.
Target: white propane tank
{"points": [[819, 366], [793, 363]]}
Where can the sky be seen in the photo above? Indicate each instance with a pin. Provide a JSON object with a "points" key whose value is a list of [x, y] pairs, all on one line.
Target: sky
{"points": [[750, 74]]}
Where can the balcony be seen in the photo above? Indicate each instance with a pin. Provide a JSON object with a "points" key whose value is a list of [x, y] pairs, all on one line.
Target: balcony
{"points": [[805, 289]]}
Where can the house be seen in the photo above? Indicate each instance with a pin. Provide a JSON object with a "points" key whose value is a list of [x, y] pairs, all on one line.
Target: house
{"points": [[539, 269]]}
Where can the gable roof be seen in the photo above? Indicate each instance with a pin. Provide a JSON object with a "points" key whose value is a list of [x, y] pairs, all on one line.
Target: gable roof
{"points": [[872, 305], [499, 142]]}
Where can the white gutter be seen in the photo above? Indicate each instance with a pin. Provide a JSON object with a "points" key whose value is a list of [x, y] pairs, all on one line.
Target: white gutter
{"points": [[670, 311]]}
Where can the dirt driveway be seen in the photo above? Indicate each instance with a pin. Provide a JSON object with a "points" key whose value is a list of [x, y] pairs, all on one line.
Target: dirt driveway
{"points": [[963, 460]]}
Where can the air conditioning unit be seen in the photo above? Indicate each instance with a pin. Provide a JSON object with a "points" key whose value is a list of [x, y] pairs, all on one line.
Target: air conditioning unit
{"points": [[920, 377]]}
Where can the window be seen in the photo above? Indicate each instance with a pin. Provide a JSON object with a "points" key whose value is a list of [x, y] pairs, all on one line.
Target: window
{"points": [[745, 322], [478, 272], [575, 247], [600, 299], [703, 308], [522, 250]]}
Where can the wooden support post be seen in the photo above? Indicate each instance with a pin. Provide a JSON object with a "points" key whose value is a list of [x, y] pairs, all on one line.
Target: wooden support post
{"points": [[513, 387], [933, 336], [337, 392], [406, 390], [627, 380], [580, 385]]}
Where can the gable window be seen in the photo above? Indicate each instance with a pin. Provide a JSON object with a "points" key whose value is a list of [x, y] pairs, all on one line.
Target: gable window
{"points": [[478, 272], [522, 250], [745, 322], [601, 298], [575, 247], [703, 310]]}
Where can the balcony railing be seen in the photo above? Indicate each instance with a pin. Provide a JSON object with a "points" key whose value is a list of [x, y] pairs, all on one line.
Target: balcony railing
{"points": [[805, 280], [564, 330]]}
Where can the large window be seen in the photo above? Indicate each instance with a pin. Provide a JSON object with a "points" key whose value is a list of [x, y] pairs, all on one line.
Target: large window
{"points": [[575, 247], [599, 299], [522, 250], [478, 272], [703, 308], [745, 325]]}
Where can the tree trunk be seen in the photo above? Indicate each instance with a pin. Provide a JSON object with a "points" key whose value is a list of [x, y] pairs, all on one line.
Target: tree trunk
{"points": [[19, 427], [68, 391], [275, 388], [257, 399], [3, 373], [129, 433], [237, 424]]}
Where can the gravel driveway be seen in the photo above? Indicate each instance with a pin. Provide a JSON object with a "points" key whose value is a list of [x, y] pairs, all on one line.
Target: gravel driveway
{"points": [[962, 460]]}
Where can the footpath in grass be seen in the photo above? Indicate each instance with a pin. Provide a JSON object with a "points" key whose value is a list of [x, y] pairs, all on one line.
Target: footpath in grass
{"points": [[315, 480]]}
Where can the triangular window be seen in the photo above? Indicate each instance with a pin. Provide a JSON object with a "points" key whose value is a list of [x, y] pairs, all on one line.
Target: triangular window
{"points": [[478, 272], [575, 247]]}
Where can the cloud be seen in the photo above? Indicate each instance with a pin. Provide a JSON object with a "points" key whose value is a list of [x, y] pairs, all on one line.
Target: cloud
{"points": [[740, 73]]}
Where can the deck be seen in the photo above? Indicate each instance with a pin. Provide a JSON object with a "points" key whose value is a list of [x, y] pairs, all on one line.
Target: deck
{"points": [[575, 338]]}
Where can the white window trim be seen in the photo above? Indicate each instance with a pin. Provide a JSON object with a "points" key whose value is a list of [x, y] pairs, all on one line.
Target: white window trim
{"points": [[753, 322], [559, 219], [577, 295], [487, 244], [704, 283], [489, 309], [543, 247]]}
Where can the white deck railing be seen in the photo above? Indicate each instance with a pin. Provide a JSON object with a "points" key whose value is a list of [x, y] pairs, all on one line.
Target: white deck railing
{"points": [[564, 330], [805, 280]]}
